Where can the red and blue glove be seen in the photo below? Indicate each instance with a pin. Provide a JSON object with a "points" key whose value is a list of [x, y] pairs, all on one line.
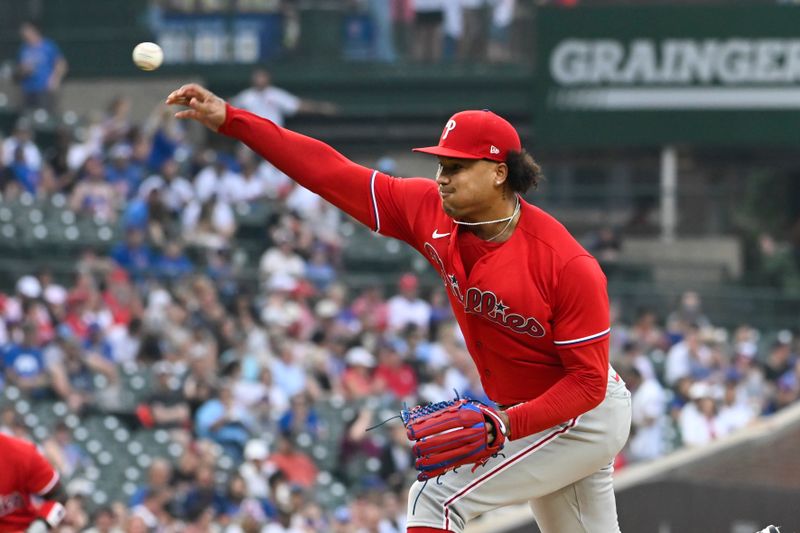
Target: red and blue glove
{"points": [[447, 435]]}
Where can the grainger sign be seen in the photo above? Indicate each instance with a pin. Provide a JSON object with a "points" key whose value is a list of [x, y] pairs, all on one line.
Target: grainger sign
{"points": [[659, 74]]}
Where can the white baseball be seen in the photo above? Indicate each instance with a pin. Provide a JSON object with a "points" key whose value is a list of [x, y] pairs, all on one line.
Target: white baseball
{"points": [[148, 56]]}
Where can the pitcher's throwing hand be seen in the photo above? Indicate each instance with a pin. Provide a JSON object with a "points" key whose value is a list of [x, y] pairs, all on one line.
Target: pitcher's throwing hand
{"points": [[204, 106]]}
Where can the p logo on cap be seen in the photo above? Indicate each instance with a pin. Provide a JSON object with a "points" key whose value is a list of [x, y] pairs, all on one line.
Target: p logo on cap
{"points": [[450, 126], [479, 135]]}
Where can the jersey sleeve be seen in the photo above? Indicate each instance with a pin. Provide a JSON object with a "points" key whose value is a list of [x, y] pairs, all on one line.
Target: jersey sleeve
{"points": [[580, 314], [397, 203], [41, 477]]}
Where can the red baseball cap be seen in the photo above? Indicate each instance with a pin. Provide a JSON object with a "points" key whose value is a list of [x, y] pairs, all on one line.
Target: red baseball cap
{"points": [[476, 135]]}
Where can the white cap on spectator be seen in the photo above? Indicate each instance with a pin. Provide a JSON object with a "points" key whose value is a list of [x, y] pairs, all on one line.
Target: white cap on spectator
{"points": [[326, 308], [55, 294], [256, 450], [701, 389], [80, 487], [120, 151], [29, 287], [359, 356]]}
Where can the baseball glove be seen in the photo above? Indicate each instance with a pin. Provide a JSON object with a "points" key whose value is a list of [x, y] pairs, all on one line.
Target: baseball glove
{"points": [[447, 435]]}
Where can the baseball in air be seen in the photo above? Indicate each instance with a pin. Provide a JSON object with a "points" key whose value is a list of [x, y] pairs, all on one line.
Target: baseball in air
{"points": [[148, 56]]}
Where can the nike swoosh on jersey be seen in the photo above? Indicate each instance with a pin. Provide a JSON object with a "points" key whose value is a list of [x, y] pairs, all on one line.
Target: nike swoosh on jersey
{"points": [[437, 235]]}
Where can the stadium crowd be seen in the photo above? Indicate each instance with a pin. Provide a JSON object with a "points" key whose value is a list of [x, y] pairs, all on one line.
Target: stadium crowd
{"points": [[242, 366]]}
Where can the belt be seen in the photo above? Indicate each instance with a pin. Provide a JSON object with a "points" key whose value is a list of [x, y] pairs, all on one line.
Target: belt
{"points": [[508, 406]]}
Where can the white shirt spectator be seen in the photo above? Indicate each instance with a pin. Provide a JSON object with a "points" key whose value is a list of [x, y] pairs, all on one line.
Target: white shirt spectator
{"points": [[33, 157], [403, 311], [210, 181], [176, 194], [648, 405], [696, 428], [280, 261], [680, 358], [222, 224], [271, 103], [239, 188]]}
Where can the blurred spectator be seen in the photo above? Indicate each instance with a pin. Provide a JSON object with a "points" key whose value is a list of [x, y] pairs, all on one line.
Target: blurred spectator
{"points": [[689, 312], [499, 50], [380, 13], [476, 18], [73, 370], [253, 469], [20, 175], [734, 410], [357, 380], [605, 244], [698, 420], [173, 264], [117, 125], [406, 307], [428, 36], [24, 363], [21, 145], [221, 420], [780, 358], [159, 479], [776, 265], [104, 521], [275, 104], [397, 459], [94, 195], [214, 178], [688, 358], [301, 417], [296, 466], [393, 375], [167, 136], [63, 452], [165, 407], [40, 69], [648, 438], [287, 371], [121, 172], [281, 259], [176, 191], [204, 496], [133, 254], [150, 515], [249, 186], [319, 270], [210, 224]]}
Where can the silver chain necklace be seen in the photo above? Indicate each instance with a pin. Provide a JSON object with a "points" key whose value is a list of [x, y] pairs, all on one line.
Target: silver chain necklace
{"points": [[508, 220]]}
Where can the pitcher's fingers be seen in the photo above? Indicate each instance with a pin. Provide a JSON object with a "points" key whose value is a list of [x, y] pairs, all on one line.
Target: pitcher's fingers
{"points": [[188, 113]]}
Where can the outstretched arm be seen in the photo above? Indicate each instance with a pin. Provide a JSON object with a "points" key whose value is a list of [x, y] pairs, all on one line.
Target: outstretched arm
{"points": [[311, 163]]}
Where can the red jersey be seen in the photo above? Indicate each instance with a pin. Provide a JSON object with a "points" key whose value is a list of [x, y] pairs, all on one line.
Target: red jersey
{"points": [[533, 309], [23, 473]]}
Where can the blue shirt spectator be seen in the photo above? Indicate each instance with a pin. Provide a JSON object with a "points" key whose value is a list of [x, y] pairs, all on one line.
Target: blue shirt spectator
{"points": [[173, 264], [25, 361], [41, 66], [133, 254]]}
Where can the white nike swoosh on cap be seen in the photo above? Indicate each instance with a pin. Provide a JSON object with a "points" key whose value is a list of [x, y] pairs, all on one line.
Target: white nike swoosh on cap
{"points": [[437, 235]]}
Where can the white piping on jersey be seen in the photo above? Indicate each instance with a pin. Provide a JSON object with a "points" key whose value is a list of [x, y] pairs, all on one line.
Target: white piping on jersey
{"points": [[50, 484], [375, 202], [590, 337], [561, 429]]}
